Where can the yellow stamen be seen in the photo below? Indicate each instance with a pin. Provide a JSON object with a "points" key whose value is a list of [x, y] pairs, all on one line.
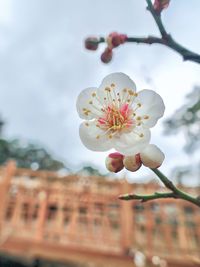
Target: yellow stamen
{"points": [[107, 89]]}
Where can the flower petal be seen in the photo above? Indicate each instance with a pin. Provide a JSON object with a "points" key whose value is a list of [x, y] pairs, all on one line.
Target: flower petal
{"points": [[119, 81], [115, 83], [83, 104], [152, 106], [93, 137], [132, 143]]}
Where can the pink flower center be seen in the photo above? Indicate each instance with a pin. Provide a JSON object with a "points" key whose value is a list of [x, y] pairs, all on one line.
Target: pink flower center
{"points": [[116, 119]]}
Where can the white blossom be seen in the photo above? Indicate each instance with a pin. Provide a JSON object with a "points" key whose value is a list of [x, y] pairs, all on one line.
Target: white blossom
{"points": [[118, 117]]}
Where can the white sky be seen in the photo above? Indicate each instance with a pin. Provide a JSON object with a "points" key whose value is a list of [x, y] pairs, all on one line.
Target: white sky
{"points": [[44, 66]]}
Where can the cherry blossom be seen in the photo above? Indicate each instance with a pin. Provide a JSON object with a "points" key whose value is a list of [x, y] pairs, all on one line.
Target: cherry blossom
{"points": [[115, 116]]}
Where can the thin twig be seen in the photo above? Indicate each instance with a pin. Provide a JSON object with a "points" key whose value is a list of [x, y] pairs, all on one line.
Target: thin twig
{"points": [[157, 18], [145, 198], [175, 192], [166, 39]]}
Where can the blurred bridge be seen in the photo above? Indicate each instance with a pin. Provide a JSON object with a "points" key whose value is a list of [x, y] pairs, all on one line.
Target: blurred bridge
{"points": [[79, 219]]}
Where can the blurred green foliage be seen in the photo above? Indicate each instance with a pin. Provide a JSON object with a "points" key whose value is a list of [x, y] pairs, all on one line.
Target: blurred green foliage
{"points": [[26, 155], [90, 171], [29, 156]]}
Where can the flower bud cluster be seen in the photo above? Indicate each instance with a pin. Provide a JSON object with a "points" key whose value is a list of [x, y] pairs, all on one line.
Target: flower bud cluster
{"points": [[113, 40], [151, 157]]}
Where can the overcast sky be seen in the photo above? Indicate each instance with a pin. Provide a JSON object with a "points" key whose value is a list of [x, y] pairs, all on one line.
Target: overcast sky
{"points": [[44, 66]]}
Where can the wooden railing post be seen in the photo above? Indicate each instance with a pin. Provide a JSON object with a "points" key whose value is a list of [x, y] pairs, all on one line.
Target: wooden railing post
{"points": [[126, 220], [9, 172], [42, 215]]}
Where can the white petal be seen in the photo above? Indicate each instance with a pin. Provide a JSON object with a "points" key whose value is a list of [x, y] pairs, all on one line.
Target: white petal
{"points": [[119, 80], [83, 103], [152, 105], [152, 156], [132, 143], [88, 134]]}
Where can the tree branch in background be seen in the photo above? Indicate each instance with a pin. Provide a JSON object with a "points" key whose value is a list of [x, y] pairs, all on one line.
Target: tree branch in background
{"points": [[114, 40], [175, 192], [186, 120], [167, 39]]}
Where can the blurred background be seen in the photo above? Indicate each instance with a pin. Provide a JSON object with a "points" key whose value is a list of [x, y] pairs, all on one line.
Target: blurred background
{"points": [[44, 66]]}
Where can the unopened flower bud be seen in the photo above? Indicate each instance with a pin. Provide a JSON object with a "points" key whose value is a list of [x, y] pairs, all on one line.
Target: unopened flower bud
{"points": [[152, 156], [115, 39], [132, 163], [91, 43], [106, 56], [114, 162], [159, 5]]}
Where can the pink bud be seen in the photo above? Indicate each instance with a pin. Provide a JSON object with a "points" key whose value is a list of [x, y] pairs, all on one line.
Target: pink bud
{"points": [[114, 162], [107, 55], [91, 43], [159, 5], [124, 38], [132, 163], [115, 39], [152, 156]]}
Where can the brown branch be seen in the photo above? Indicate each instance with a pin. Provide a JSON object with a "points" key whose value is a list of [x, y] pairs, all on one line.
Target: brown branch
{"points": [[157, 18], [166, 39]]}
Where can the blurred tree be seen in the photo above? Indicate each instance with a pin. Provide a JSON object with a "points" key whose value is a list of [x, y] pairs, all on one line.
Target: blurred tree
{"points": [[181, 172], [90, 171], [26, 156], [29, 156], [187, 120]]}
